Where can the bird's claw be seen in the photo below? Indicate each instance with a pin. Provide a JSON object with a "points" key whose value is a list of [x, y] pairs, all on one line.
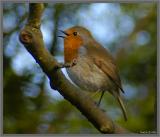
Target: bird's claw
{"points": [[99, 107], [66, 65], [74, 62]]}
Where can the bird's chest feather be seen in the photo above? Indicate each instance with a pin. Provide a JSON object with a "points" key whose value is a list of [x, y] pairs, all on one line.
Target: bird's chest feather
{"points": [[87, 75]]}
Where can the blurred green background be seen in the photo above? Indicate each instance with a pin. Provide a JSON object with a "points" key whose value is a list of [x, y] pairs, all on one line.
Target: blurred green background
{"points": [[127, 30]]}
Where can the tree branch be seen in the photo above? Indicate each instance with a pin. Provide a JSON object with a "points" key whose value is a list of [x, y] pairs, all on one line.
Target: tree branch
{"points": [[32, 39]]}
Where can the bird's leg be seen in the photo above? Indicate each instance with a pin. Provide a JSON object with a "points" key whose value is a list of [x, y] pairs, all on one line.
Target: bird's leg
{"points": [[100, 98], [66, 65], [95, 93], [90, 95], [98, 104]]}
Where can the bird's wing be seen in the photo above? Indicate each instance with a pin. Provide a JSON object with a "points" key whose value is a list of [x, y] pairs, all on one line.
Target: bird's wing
{"points": [[102, 59], [110, 70]]}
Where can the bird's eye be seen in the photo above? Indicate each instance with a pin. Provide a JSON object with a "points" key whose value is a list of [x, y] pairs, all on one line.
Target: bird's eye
{"points": [[75, 33]]}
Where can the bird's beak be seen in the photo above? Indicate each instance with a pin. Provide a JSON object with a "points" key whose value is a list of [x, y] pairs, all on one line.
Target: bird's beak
{"points": [[62, 37], [63, 33]]}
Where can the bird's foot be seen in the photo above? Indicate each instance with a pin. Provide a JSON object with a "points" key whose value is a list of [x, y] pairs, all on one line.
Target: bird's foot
{"points": [[66, 65], [103, 110], [98, 105]]}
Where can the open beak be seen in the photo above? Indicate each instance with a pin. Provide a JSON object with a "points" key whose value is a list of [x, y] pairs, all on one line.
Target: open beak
{"points": [[62, 37], [63, 33]]}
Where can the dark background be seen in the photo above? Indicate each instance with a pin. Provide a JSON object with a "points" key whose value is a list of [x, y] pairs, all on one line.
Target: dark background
{"points": [[128, 31]]}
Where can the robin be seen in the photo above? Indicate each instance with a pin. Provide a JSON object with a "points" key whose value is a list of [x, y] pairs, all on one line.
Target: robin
{"points": [[92, 67]]}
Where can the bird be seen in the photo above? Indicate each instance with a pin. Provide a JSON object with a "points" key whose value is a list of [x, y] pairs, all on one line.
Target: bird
{"points": [[95, 68]]}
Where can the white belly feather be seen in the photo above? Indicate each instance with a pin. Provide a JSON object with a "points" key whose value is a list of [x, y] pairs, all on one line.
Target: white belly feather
{"points": [[88, 76]]}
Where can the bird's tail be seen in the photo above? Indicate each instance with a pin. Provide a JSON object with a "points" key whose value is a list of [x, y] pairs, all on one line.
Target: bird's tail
{"points": [[122, 107]]}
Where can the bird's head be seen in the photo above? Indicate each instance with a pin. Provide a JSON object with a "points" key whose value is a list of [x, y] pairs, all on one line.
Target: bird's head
{"points": [[74, 38]]}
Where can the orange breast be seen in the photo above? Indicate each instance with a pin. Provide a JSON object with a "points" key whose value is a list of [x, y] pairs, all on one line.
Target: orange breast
{"points": [[71, 46]]}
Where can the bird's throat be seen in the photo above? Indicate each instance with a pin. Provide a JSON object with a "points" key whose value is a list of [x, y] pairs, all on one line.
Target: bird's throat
{"points": [[71, 46], [70, 54]]}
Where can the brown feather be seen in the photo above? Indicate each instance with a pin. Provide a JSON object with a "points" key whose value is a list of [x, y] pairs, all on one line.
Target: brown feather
{"points": [[103, 59]]}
